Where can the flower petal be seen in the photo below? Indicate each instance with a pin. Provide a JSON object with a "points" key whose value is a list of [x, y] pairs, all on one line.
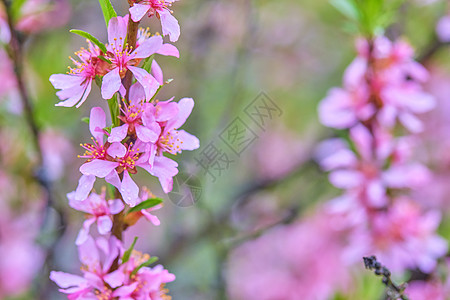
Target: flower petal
{"points": [[129, 190], [97, 121], [148, 82], [111, 83], [148, 47], [98, 168], [85, 185], [169, 25], [104, 224], [138, 11]]}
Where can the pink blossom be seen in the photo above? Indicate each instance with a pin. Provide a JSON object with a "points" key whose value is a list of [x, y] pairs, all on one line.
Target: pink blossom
{"points": [[403, 237], [303, 260], [388, 87], [134, 124], [123, 58], [99, 210], [364, 172], [56, 150], [76, 86], [160, 8], [170, 116], [98, 281]]}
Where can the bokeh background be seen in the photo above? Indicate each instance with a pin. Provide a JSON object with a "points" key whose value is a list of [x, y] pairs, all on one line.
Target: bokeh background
{"points": [[234, 53]]}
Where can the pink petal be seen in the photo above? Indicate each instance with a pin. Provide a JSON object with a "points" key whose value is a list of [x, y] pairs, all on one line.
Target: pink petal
{"points": [[83, 206], [115, 278], [97, 121], [71, 96], [137, 93], [125, 290], [190, 142], [115, 206], [185, 107], [129, 190], [148, 47], [118, 133], [164, 168], [138, 11], [157, 72], [146, 134], [66, 280], [148, 82], [117, 150], [113, 178], [83, 234], [88, 254], [104, 224], [85, 185], [166, 111], [117, 31], [169, 50], [169, 25], [98, 168], [111, 84], [64, 81], [153, 219], [345, 179]]}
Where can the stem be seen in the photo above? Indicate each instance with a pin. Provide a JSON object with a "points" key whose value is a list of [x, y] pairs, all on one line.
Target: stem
{"points": [[131, 41], [118, 220]]}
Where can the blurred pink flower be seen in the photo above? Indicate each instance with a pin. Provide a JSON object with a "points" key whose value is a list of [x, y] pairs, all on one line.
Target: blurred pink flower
{"points": [[56, 150], [299, 261], [364, 170], [424, 290], [389, 89], [38, 15], [7, 76], [403, 237]]}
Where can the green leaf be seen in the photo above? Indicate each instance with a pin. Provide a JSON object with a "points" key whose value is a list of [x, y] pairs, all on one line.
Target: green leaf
{"points": [[147, 65], [152, 260], [108, 129], [85, 120], [127, 254], [91, 38], [146, 204], [105, 59], [346, 7], [16, 6], [108, 10], [114, 109], [159, 88]]}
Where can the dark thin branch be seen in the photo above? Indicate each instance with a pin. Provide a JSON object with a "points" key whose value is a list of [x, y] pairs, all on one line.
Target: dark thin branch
{"points": [[393, 290], [15, 51]]}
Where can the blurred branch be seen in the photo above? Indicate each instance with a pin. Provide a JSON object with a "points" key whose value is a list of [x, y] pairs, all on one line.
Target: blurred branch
{"points": [[15, 51]]}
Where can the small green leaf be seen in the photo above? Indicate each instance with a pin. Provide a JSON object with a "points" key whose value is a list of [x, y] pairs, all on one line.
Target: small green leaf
{"points": [[90, 37], [152, 260], [85, 120], [147, 65], [105, 59], [146, 204], [98, 81], [159, 89], [346, 7], [16, 7], [108, 129], [127, 254], [108, 10]]}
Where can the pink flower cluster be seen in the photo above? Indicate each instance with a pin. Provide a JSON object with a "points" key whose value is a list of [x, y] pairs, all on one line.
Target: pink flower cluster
{"points": [[382, 94], [131, 280], [142, 131]]}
